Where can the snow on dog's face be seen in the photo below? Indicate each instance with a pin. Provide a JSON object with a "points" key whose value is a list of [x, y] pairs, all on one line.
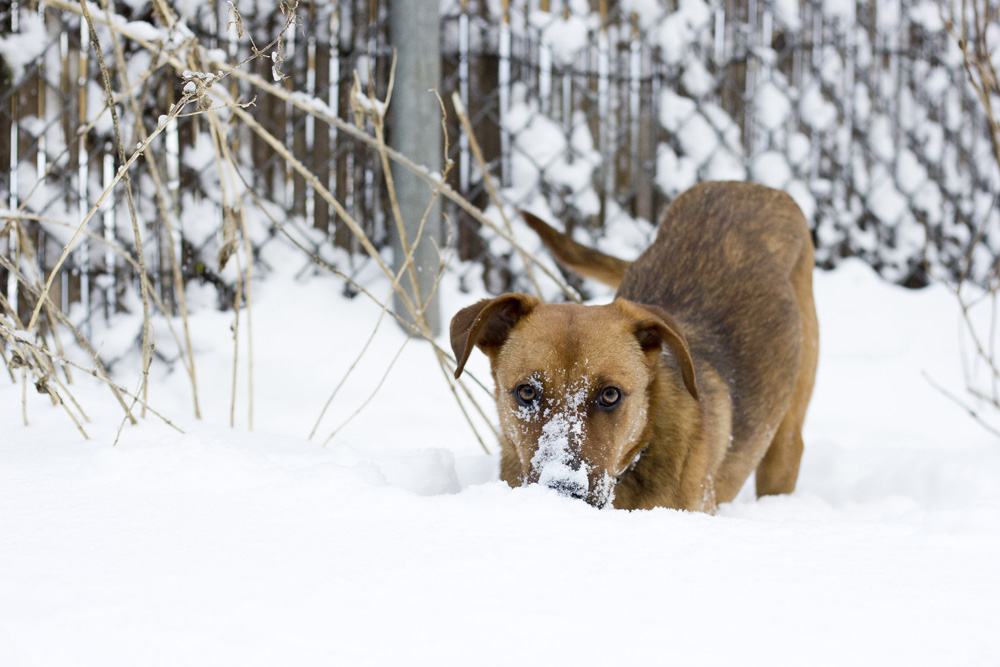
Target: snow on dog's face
{"points": [[572, 385]]}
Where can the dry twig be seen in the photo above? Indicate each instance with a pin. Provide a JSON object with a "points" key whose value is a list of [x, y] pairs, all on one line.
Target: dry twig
{"points": [[968, 24]]}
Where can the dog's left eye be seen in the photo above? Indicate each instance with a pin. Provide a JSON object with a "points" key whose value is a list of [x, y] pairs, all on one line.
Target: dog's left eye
{"points": [[526, 394], [609, 397]]}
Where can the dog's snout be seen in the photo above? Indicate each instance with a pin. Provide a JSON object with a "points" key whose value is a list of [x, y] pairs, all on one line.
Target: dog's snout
{"points": [[569, 488]]}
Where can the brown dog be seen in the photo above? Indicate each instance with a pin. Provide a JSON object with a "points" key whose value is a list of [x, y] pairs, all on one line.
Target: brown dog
{"points": [[696, 375]]}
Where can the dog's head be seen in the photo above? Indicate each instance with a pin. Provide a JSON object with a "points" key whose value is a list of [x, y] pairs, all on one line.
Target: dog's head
{"points": [[573, 383]]}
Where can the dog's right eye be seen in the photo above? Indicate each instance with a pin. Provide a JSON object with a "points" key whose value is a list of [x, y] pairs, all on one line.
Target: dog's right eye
{"points": [[526, 394], [609, 397]]}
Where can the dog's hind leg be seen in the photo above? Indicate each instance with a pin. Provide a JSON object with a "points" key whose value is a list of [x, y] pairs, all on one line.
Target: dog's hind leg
{"points": [[779, 469]]}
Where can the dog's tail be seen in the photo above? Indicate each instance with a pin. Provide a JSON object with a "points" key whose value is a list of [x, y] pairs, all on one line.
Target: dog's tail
{"points": [[577, 257]]}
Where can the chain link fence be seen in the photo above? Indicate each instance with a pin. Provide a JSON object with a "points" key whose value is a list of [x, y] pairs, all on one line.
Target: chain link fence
{"points": [[599, 113], [56, 143], [590, 112]]}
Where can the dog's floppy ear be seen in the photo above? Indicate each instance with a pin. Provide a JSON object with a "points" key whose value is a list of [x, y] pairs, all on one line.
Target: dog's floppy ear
{"points": [[487, 324], [654, 327]]}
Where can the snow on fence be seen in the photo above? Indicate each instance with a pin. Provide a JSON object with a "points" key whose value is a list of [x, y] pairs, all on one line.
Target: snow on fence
{"points": [[605, 111], [591, 112], [58, 155]]}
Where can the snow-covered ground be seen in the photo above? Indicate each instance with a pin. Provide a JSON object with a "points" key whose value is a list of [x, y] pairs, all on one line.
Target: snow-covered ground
{"points": [[394, 543]]}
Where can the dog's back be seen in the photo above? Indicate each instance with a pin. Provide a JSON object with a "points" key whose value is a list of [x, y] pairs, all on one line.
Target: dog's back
{"points": [[734, 262]]}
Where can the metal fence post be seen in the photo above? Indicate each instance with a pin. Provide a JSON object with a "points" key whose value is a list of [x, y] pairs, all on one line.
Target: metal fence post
{"points": [[415, 131]]}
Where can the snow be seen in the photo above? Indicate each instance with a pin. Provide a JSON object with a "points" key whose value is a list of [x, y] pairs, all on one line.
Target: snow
{"points": [[886, 202], [773, 106], [787, 12], [543, 149], [803, 196], [709, 138], [396, 543], [675, 110], [567, 37], [365, 102], [771, 169], [928, 15], [681, 28], [724, 166], [911, 175], [818, 112], [799, 149], [674, 174], [888, 17], [841, 9], [148, 32], [562, 435], [697, 80], [20, 49]]}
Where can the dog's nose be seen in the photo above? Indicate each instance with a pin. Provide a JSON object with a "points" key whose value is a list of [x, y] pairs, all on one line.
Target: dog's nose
{"points": [[569, 488]]}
